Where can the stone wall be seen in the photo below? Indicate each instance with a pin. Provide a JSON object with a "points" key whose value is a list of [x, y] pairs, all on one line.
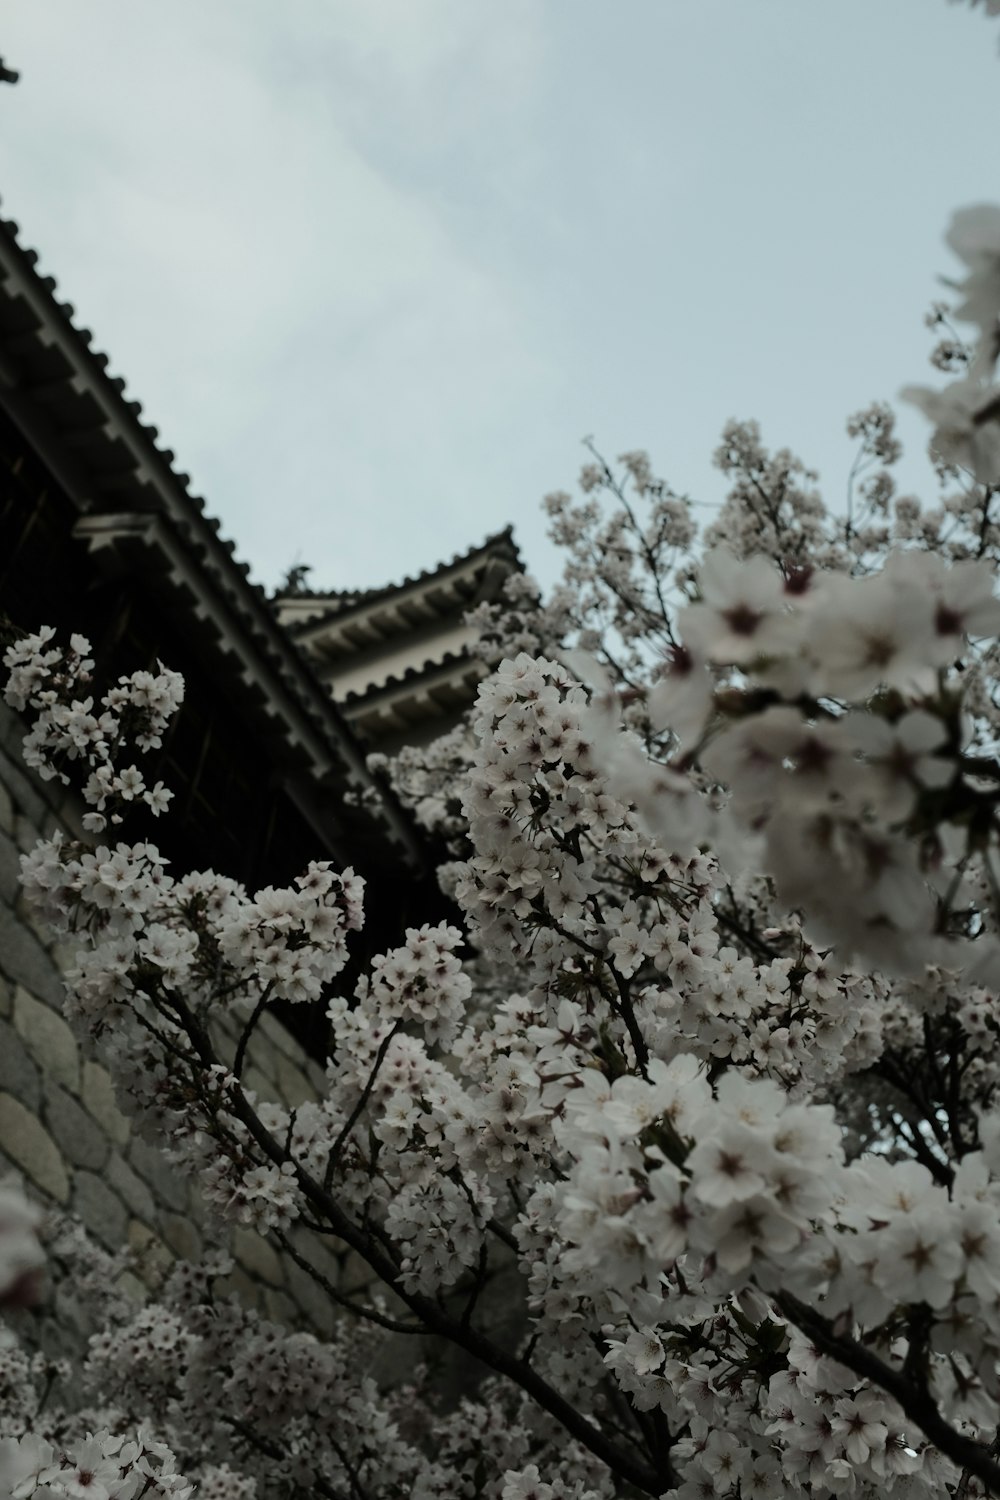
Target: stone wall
{"points": [[60, 1129]]}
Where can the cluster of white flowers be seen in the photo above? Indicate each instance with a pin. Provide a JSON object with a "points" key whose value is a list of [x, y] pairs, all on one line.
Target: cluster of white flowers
{"points": [[964, 414], [831, 1431], [290, 943], [68, 731], [422, 982], [824, 704], [100, 1467], [691, 1138], [761, 1171]]}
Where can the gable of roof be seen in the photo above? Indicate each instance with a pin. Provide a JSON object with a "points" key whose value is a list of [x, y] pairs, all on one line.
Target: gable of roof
{"points": [[448, 587]]}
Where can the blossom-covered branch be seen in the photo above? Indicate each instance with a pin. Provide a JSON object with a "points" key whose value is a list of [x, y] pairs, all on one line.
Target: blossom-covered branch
{"points": [[687, 1143]]}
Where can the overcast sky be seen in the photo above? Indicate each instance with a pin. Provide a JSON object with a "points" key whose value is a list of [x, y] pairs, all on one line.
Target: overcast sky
{"points": [[375, 267]]}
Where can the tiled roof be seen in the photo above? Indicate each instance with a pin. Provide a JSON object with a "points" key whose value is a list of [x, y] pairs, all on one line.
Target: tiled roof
{"points": [[126, 487], [339, 602], [340, 628], [411, 676]]}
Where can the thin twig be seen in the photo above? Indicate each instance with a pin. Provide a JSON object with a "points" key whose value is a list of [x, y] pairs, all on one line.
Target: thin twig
{"points": [[355, 1114]]}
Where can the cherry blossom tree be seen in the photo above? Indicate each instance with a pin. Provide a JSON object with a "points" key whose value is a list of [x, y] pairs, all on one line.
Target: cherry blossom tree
{"points": [[688, 1145]]}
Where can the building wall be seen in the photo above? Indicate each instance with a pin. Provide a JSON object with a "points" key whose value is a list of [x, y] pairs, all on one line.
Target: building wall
{"points": [[100, 534], [60, 1128]]}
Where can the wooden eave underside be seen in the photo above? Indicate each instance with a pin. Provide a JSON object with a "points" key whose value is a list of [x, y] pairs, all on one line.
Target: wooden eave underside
{"points": [[136, 511], [338, 630], [416, 697]]}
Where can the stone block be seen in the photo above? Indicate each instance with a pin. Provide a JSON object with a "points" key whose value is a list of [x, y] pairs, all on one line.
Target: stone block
{"points": [[152, 1258], [98, 1095], [316, 1249], [70, 1315], [262, 1086], [195, 1206], [250, 1292], [257, 1256], [181, 1235], [6, 997], [317, 1305], [227, 1024], [281, 1309], [222, 1037], [139, 1236], [168, 1182], [40, 931], [261, 1057], [12, 729], [6, 810], [18, 1074], [10, 869], [80, 1138], [137, 1291], [48, 1038], [277, 1037], [100, 1209], [130, 1188], [24, 959], [68, 813], [53, 821], [355, 1273], [24, 1139], [25, 796], [63, 955], [293, 1083], [26, 834]]}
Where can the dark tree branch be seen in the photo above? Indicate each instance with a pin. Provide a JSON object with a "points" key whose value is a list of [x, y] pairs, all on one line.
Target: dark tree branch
{"points": [[359, 1309], [355, 1114], [625, 1464], [914, 1398]]}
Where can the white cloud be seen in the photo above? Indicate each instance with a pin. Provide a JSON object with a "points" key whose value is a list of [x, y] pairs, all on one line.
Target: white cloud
{"points": [[284, 304]]}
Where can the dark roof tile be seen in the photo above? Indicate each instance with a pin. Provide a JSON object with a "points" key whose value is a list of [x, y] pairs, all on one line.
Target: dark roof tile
{"points": [[349, 599], [292, 674]]}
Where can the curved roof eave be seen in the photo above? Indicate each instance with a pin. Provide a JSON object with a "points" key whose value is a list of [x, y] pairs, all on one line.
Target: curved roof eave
{"points": [[113, 470]]}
